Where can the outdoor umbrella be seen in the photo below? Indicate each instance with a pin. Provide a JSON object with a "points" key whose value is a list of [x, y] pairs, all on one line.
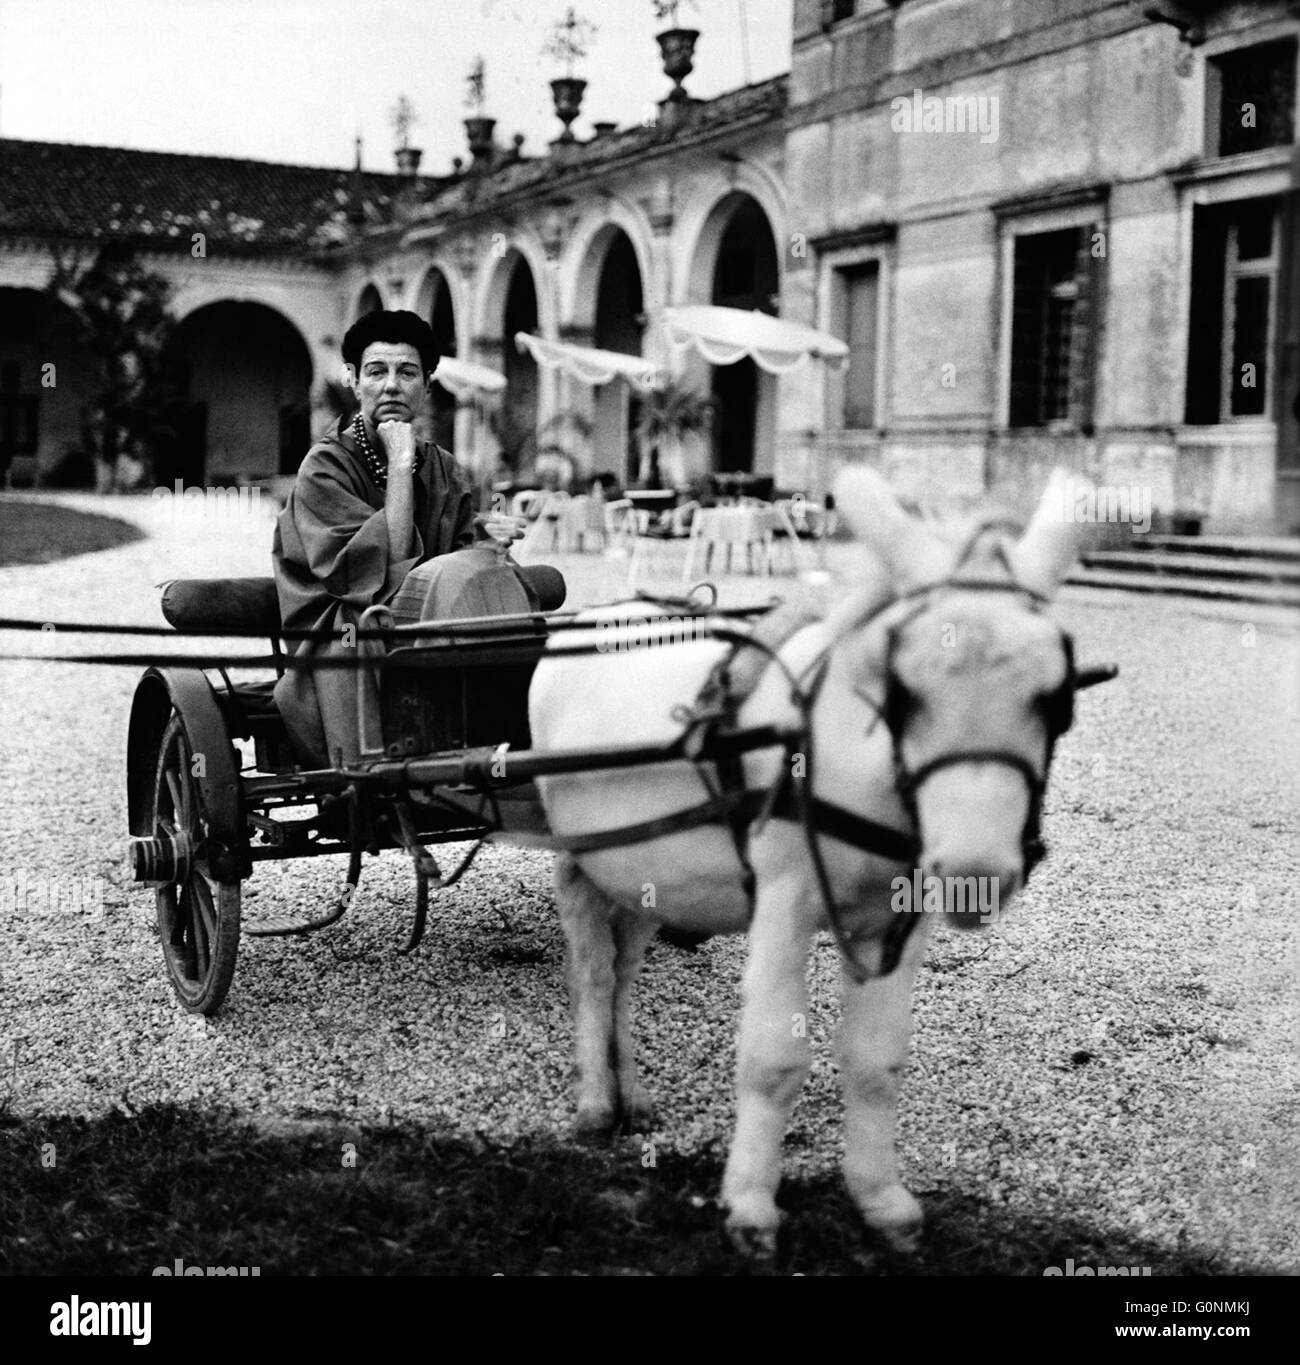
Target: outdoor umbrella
{"points": [[463, 378], [588, 364], [725, 335]]}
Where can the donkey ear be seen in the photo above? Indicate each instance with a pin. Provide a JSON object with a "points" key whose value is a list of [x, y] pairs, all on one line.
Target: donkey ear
{"points": [[878, 520], [1053, 539]]}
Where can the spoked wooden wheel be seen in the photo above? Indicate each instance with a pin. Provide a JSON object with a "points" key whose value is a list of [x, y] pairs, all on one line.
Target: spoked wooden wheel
{"points": [[198, 916]]}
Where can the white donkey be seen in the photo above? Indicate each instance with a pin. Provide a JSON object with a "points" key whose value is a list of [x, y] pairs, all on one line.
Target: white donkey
{"points": [[935, 691]]}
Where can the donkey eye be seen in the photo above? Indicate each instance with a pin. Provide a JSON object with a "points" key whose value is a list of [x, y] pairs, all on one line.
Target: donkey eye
{"points": [[1054, 708], [900, 705]]}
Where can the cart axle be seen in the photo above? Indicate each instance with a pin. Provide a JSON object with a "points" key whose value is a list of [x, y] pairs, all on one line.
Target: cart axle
{"points": [[163, 860]]}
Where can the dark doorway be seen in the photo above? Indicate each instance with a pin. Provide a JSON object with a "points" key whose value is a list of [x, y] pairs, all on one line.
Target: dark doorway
{"points": [[519, 436], [735, 390], [295, 436], [244, 376], [442, 319], [619, 304], [746, 276]]}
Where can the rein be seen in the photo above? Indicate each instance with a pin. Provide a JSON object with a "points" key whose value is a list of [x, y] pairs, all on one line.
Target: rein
{"points": [[791, 796]]}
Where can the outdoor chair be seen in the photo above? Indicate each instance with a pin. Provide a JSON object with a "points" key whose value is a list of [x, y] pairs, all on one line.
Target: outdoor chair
{"points": [[652, 536], [582, 518], [550, 512]]}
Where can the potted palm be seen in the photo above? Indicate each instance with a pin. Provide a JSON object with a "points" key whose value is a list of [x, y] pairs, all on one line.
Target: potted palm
{"points": [[569, 42], [670, 414], [676, 44], [403, 118], [478, 127]]}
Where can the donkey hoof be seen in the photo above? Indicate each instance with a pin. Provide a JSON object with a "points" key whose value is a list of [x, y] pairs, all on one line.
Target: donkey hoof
{"points": [[595, 1123], [904, 1240], [753, 1243], [638, 1114], [896, 1218]]}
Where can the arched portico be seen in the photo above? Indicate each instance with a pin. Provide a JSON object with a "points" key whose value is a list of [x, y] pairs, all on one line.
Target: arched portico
{"points": [[511, 304], [609, 313], [435, 304], [736, 264], [248, 374], [47, 383]]}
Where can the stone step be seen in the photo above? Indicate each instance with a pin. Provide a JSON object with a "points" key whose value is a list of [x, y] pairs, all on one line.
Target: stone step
{"points": [[1233, 547], [1264, 594], [1254, 569]]}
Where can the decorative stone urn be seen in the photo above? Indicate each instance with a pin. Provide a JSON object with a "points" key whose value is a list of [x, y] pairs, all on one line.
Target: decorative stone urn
{"points": [[678, 48], [567, 91], [478, 133], [408, 161]]}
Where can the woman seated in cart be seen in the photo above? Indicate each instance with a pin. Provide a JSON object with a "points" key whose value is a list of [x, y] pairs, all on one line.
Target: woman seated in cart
{"points": [[372, 506]]}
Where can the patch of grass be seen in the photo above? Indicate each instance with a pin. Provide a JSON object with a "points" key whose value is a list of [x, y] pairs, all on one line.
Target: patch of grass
{"points": [[128, 1193], [42, 532]]}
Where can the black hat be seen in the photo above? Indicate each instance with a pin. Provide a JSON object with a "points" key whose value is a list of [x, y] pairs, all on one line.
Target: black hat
{"points": [[397, 326]]}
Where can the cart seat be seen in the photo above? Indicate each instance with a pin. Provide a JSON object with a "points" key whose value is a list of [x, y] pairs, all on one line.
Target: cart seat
{"points": [[201, 606]]}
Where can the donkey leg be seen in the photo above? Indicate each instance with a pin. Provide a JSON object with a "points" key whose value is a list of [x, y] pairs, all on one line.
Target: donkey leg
{"points": [[875, 1031], [587, 917], [771, 1064], [632, 933]]}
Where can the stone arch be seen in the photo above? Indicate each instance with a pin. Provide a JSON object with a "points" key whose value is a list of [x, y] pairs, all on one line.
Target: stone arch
{"points": [[610, 312], [585, 257], [369, 300], [495, 280], [737, 262], [47, 384], [438, 293], [700, 231], [435, 302], [247, 371], [512, 302]]}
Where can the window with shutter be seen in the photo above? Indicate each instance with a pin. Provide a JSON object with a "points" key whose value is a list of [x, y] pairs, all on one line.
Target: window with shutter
{"points": [[1052, 328], [861, 286], [1254, 88], [1233, 316]]}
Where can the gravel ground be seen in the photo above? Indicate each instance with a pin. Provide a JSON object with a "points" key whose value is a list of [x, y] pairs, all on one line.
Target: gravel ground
{"points": [[1120, 1050]]}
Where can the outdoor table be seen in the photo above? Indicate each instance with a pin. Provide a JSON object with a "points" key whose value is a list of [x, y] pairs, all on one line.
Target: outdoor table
{"points": [[651, 499], [745, 528]]}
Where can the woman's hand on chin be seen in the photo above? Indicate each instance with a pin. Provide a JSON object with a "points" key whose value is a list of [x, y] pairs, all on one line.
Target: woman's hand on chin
{"points": [[399, 445]]}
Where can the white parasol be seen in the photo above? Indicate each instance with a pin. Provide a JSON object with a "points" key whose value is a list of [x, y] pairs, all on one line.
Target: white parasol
{"points": [[725, 335], [588, 364], [463, 378]]}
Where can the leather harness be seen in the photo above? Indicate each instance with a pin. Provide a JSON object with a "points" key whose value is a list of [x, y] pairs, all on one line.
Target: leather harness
{"points": [[711, 738]]}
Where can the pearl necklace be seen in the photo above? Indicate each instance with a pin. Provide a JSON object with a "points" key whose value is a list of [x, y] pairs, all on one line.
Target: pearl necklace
{"points": [[378, 468]]}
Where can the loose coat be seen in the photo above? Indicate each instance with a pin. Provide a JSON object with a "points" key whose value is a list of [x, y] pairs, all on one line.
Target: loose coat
{"points": [[332, 560]]}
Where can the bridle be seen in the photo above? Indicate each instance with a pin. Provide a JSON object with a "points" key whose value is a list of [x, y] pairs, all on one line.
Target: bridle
{"points": [[712, 739], [893, 709], [1057, 710]]}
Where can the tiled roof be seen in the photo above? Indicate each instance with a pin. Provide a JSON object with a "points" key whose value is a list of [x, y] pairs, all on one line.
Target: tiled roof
{"points": [[63, 190], [58, 189]]}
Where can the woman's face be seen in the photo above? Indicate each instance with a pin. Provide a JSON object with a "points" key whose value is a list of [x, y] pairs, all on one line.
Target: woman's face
{"points": [[391, 385]]}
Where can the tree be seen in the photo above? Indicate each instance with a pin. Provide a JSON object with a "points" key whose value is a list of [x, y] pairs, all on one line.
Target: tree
{"points": [[667, 10], [120, 318], [669, 414], [569, 40], [476, 87], [403, 117]]}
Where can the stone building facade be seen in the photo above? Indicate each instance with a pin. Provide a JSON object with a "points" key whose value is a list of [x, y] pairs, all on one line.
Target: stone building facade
{"points": [[1055, 234], [1051, 233]]}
